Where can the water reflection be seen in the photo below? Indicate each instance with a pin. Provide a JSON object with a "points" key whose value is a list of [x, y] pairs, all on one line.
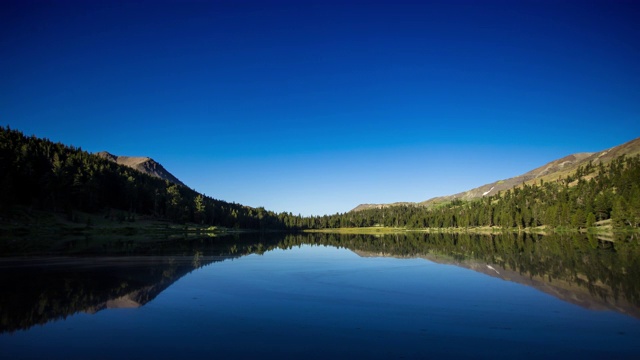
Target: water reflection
{"points": [[585, 271]]}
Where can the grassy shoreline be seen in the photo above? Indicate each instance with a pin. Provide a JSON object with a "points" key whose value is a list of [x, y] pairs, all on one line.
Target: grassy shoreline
{"points": [[79, 223], [602, 231]]}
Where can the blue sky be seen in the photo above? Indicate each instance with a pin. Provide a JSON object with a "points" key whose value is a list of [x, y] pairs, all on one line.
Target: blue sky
{"points": [[315, 107]]}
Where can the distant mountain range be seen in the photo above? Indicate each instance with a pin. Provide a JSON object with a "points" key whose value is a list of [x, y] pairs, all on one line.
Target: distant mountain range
{"points": [[143, 164], [548, 172], [52, 177]]}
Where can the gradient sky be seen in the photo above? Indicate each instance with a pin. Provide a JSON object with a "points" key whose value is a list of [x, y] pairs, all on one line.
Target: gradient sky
{"points": [[315, 107]]}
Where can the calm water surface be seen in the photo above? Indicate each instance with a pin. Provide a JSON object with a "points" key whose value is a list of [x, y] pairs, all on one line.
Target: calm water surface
{"points": [[301, 301]]}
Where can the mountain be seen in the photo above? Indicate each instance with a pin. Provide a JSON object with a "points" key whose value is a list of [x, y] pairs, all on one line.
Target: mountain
{"points": [[559, 168], [143, 164], [38, 177]]}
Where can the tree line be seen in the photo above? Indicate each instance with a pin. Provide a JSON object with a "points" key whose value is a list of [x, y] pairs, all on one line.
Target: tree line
{"points": [[592, 193], [40, 174], [43, 175]]}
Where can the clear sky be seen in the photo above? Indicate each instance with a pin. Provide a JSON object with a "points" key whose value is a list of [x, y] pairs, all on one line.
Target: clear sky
{"points": [[315, 107]]}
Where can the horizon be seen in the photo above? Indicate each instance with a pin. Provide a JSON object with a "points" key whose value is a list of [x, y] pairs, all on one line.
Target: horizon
{"points": [[315, 108]]}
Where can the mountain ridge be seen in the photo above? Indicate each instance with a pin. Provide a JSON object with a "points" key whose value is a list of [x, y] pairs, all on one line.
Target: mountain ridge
{"points": [[548, 172]]}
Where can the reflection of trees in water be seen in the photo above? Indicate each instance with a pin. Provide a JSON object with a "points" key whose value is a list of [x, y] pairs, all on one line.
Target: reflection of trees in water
{"points": [[197, 260], [37, 292], [607, 269]]}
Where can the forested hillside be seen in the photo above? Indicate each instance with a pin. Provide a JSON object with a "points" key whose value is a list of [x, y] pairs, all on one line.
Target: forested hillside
{"points": [[39, 174], [551, 171], [590, 194]]}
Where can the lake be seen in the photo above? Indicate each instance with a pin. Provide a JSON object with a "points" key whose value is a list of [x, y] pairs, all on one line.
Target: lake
{"points": [[324, 296]]}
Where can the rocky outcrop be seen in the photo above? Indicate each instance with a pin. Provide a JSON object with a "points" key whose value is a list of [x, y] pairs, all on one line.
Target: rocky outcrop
{"points": [[143, 164]]}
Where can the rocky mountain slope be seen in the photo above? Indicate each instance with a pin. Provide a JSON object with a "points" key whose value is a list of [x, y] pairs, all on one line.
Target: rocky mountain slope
{"points": [[548, 172], [143, 164]]}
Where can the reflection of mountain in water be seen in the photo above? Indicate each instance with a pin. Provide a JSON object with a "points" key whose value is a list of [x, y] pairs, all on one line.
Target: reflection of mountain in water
{"points": [[584, 271], [598, 275], [36, 291], [569, 291], [172, 270]]}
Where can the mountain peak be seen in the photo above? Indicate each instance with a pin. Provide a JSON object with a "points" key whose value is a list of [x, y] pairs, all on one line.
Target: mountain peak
{"points": [[107, 155], [143, 164]]}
